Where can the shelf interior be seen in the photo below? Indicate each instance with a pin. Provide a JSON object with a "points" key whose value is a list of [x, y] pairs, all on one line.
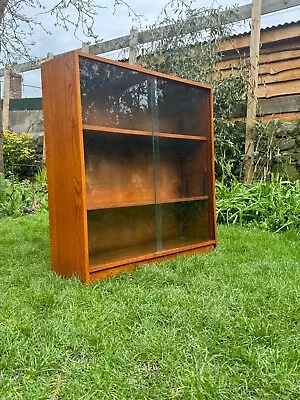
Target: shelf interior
{"points": [[127, 233], [146, 142], [122, 170], [115, 97]]}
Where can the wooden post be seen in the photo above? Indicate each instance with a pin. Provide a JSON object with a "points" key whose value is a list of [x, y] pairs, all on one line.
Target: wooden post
{"points": [[252, 91], [5, 110], [5, 114], [85, 47], [50, 56], [133, 46]]}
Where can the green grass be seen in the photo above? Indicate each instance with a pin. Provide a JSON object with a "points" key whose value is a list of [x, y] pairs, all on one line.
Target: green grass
{"points": [[219, 326]]}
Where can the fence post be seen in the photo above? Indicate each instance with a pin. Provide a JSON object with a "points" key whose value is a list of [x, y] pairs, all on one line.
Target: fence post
{"points": [[252, 91], [50, 56], [5, 114], [85, 47], [133, 46], [6, 95]]}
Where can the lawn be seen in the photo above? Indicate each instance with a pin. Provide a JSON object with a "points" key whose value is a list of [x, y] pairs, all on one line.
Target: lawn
{"points": [[218, 326]]}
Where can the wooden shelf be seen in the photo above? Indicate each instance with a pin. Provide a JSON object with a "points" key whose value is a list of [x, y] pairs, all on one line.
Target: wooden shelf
{"points": [[144, 252], [105, 129], [144, 203]]}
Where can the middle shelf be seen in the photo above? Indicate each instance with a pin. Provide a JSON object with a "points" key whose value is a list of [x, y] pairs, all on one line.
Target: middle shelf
{"points": [[105, 129], [127, 170], [99, 205]]}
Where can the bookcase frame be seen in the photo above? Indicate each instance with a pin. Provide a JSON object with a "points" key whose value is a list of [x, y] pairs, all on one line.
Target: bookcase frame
{"points": [[75, 214]]}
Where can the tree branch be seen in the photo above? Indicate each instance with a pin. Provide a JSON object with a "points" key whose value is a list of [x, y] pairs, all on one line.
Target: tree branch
{"points": [[3, 4]]}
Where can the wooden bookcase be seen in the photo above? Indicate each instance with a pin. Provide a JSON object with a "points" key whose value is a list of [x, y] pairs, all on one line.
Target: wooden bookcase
{"points": [[130, 165]]}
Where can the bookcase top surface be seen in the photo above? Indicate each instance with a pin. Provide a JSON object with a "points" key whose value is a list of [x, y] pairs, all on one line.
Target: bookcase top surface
{"points": [[136, 68]]}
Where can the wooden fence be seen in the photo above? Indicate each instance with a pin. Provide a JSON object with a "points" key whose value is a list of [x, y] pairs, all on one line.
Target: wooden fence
{"points": [[279, 69]]}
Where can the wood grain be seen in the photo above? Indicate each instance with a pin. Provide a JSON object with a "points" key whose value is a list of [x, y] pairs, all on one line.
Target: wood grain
{"points": [[264, 68], [99, 205], [267, 49], [289, 116], [121, 233], [119, 169], [280, 104], [65, 166], [279, 66], [279, 89], [264, 57], [284, 76], [101, 129], [267, 36]]}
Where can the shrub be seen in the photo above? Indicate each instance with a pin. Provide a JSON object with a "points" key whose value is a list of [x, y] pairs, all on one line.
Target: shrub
{"points": [[274, 206], [21, 154], [21, 198]]}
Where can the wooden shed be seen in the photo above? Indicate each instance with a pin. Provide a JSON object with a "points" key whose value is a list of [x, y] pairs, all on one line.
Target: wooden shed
{"points": [[279, 71]]}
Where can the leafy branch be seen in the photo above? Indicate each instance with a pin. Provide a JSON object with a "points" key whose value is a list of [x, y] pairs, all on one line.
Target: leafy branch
{"points": [[19, 20]]}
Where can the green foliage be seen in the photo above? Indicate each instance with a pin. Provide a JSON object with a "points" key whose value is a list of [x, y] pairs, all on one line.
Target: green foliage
{"points": [[229, 149], [24, 197], [274, 206], [22, 155], [192, 54], [41, 177]]}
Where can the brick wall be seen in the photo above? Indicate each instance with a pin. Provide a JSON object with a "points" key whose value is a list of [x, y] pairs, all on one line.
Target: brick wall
{"points": [[15, 86]]}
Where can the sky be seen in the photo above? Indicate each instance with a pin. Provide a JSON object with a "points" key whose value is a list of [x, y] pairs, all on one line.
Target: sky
{"points": [[110, 25]]}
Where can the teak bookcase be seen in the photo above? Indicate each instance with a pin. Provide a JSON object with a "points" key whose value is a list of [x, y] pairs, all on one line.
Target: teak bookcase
{"points": [[130, 165]]}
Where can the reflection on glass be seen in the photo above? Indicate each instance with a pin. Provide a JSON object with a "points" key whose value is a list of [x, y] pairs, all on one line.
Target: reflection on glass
{"points": [[120, 233], [114, 97], [118, 97], [119, 169], [184, 224], [182, 108], [180, 169], [146, 193]]}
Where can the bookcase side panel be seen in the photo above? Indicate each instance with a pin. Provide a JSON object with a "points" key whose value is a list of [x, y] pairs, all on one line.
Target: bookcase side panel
{"points": [[65, 166], [211, 168]]}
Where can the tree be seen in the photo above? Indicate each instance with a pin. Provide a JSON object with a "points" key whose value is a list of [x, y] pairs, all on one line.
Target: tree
{"points": [[19, 20]]}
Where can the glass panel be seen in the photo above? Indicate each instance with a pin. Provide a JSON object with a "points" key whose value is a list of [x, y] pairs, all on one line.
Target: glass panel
{"points": [[184, 224], [182, 108], [121, 233], [119, 169], [181, 170], [180, 165], [114, 97], [145, 193]]}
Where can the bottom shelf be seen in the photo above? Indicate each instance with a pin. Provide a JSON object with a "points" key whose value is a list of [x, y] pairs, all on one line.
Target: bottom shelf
{"points": [[131, 253], [124, 235], [131, 264]]}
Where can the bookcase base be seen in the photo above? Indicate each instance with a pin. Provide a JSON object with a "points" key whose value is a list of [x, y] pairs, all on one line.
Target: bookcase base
{"points": [[107, 273]]}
